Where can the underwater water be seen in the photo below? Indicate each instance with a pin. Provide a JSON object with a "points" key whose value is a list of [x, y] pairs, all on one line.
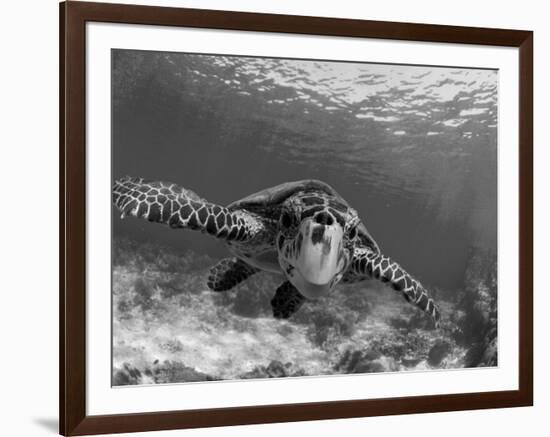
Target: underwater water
{"points": [[412, 149]]}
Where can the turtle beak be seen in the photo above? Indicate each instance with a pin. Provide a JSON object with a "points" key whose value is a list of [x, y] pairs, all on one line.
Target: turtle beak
{"points": [[320, 256]]}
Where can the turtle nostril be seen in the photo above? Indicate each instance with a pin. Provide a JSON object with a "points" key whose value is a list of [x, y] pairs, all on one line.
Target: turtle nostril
{"points": [[324, 218]]}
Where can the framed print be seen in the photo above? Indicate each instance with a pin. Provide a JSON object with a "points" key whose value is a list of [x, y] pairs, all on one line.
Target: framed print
{"points": [[271, 218]]}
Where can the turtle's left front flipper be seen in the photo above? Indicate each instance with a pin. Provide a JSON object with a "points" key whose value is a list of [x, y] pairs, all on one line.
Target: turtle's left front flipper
{"points": [[178, 207], [368, 264]]}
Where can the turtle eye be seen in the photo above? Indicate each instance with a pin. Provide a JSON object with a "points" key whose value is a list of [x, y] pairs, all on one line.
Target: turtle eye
{"points": [[286, 219], [353, 233]]}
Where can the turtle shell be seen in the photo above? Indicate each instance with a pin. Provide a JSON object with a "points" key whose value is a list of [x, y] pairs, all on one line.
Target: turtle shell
{"points": [[266, 202], [366, 238], [274, 196]]}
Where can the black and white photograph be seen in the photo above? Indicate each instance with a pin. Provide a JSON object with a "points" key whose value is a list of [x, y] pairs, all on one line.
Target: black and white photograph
{"points": [[277, 217], [281, 218]]}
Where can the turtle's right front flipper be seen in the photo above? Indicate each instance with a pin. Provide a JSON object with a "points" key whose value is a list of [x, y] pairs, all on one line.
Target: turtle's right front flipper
{"points": [[177, 207]]}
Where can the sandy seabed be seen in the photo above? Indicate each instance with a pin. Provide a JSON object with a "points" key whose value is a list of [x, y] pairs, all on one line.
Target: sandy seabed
{"points": [[168, 327]]}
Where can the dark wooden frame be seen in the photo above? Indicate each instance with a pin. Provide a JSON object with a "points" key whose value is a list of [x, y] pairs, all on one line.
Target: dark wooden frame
{"points": [[72, 376]]}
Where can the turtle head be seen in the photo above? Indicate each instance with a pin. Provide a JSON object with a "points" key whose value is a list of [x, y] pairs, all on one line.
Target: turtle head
{"points": [[315, 241]]}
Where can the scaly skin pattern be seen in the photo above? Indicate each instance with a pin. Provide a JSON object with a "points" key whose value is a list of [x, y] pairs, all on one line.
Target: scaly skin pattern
{"points": [[177, 207], [228, 273], [367, 264], [287, 301]]}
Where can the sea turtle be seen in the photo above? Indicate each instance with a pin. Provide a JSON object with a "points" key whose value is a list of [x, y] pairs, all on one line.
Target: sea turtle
{"points": [[304, 230]]}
